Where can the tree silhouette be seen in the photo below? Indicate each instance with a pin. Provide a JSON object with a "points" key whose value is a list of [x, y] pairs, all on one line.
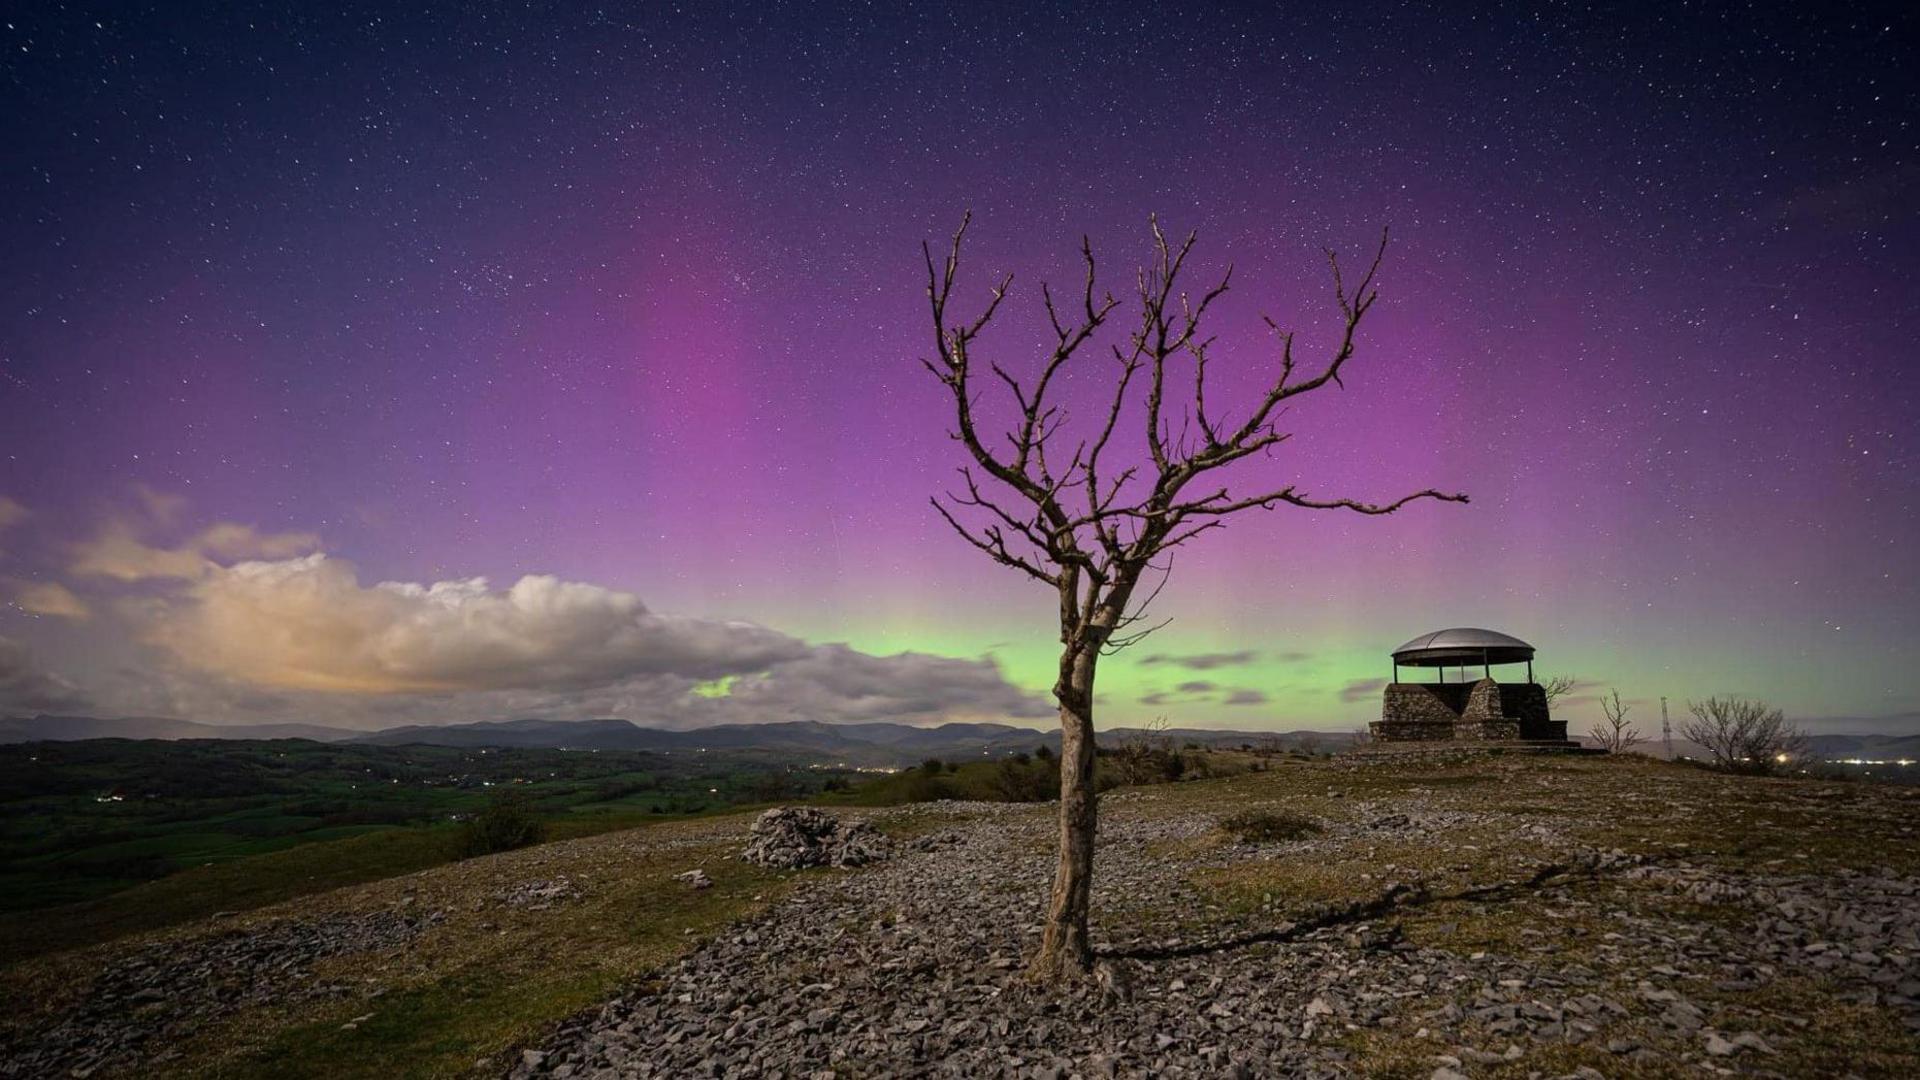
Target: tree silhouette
{"points": [[1063, 513], [1558, 687], [1744, 735], [1616, 735]]}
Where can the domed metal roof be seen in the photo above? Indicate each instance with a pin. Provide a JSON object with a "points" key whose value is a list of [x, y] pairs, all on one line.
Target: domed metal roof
{"points": [[1463, 645]]}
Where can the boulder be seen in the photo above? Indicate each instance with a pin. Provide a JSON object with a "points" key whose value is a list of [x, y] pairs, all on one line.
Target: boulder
{"points": [[792, 837]]}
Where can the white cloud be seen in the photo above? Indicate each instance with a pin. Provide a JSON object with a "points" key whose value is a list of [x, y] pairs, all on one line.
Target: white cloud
{"points": [[303, 639], [842, 685], [49, 598], [308, 623], [161, 507], [265, 626], [26, 686], [119, 552]]}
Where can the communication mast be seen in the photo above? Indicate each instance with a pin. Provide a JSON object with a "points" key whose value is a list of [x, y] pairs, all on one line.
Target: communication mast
{"points": [[1666, 728]]}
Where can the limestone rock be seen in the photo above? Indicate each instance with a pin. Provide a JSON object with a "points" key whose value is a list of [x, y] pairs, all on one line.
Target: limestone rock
{"points": [[793, 837]]}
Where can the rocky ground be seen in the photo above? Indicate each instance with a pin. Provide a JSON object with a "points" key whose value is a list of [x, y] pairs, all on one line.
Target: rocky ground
{"points": [[151, 996], [1474, 917], [913, 968]]}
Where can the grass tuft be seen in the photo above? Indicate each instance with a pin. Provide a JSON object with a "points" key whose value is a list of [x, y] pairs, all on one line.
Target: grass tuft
{"points": [[1268, 826]]}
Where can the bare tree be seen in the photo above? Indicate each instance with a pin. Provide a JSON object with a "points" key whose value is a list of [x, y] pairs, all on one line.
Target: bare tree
{"points": [[1615, 735], [1064, 513], [1744, 735], [1142, 756], [1558, 687]]}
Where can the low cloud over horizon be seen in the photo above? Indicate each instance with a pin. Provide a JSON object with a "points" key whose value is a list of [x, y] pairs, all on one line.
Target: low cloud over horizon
{"points": [[26, 685], [144, 611], [232, 624]]}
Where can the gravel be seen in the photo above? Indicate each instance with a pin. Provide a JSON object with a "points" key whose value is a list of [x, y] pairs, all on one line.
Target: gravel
{"points": [[165, 991], [913, 967]]}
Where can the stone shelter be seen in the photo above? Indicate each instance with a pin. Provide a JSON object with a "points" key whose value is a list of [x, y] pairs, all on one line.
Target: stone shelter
{"points": [[1483, 710]]}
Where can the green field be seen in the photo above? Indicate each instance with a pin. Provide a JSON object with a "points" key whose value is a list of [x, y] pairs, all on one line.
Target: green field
{"points": [[109, 837], [80, 821]]}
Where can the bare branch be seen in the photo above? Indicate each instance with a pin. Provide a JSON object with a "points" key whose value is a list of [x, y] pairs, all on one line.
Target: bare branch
{"points": [[1353, 309], [1127, 641], [991, 542], [1288, 496]]}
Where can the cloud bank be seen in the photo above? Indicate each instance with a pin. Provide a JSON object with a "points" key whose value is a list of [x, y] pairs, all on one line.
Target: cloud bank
{"points": [[306, 629], [117, 552], [1201, 661], [49, 598], [1358, 690], [27, 687], [845, 685], [308, 623], [225, 622]]}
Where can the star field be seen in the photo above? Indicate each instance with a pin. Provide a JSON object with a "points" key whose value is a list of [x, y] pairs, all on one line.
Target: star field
{"points": [[633, 297]]}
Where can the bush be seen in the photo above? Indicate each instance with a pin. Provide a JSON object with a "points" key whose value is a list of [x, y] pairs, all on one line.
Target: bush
{"points": [[932, 766], [1268, 826], [507, 822], [775, 786], [1616, 735], [924, 786], [1017, 780], [1743, 735]]}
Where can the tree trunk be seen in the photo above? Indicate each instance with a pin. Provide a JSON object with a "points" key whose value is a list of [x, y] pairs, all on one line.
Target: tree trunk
{"points": [[1065, 951]]}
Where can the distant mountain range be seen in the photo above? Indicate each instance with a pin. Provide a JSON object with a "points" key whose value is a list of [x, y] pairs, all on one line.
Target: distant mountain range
{"points": [[44, 728], [852, 744], [1877, 747]]}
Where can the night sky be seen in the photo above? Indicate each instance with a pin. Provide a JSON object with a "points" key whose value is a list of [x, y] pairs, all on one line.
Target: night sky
{"points": [[621, 312]]}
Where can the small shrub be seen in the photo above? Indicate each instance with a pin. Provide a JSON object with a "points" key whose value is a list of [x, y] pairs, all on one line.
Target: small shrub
{"points": [[932, 766], [508, 822], [923, 786], [1743, 735], [775, 786], [1616, 735], [1016, 780], [1268, 826]]}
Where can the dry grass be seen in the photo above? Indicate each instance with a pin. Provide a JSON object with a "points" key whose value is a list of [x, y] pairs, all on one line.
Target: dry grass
{"points": [[491, 978], [486, 979], [1268, 826]]}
